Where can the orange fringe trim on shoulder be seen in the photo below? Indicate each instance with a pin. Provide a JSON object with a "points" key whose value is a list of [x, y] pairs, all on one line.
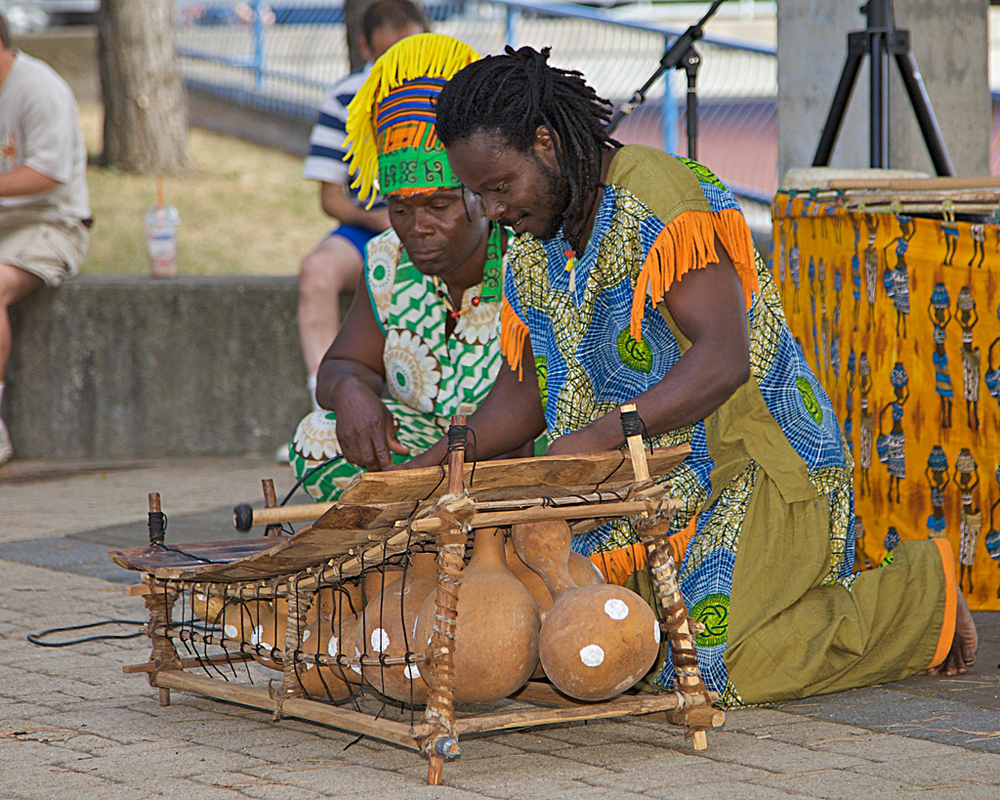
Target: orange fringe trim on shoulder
{"points": [[512, 333], [688, 242]]}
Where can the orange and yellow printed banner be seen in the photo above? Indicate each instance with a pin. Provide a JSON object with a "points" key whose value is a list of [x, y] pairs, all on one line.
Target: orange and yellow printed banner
{"points": [[899, 316]]}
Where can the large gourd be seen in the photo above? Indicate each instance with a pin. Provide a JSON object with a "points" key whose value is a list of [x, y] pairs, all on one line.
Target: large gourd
{"points": [[496, 632], [596, 641], [387, 630]]}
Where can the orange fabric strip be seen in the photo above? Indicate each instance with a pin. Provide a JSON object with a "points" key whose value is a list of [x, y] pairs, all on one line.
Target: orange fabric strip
{"points": [[617, 565], [688, 242], [512, 334], [950, 602]]}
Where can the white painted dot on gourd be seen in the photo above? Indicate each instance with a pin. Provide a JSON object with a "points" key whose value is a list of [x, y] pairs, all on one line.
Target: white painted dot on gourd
{"points": [[356, 667], [380, 640], [616, 609], [201, 597], [256, 636], [412, 672], [309, 666], [333, 646], [306, 635], [230, 631], [656, 631], [592, 655]]}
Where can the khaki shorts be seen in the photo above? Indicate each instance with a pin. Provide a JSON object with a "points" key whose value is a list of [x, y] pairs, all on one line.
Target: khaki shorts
{"points": [[42, 244]]}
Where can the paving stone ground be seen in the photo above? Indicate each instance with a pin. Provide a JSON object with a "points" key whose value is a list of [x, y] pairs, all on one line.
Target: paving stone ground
{"points": [[72, 725]]}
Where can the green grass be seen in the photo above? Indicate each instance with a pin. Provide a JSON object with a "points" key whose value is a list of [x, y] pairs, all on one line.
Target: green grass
{"points": [[245, 209]]}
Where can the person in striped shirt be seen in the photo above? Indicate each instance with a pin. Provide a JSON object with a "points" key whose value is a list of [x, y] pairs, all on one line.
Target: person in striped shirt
{"points": [[335, 264]]}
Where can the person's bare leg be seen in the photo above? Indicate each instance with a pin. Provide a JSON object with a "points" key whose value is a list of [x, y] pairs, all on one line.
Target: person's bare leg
{"points": [[332, 268], [963, 647], [15, 284]]}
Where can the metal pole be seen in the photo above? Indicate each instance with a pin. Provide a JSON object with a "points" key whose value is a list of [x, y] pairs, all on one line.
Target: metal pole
{"points": [[258, 45]]}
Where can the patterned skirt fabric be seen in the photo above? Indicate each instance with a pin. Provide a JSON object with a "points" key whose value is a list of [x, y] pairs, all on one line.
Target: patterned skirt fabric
{"points": [[315, 442]]}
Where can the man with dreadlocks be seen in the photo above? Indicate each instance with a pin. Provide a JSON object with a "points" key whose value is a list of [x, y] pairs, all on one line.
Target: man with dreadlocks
{"points": [[634, 279], [423, 324]]}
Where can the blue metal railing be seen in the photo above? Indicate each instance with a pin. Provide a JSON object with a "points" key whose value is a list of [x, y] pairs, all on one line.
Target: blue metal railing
{"points": [[284, 56]]}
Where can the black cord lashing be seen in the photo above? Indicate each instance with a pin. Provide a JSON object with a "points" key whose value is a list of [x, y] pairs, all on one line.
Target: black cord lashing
{"points": [[157, 527], [632, 423]]}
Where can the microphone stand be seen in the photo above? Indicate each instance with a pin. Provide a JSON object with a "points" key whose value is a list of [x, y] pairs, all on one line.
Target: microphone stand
{"points": [[680, 55]]}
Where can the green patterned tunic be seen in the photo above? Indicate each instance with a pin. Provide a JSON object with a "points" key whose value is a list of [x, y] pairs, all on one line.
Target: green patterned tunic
{"points": [[429, 376]]}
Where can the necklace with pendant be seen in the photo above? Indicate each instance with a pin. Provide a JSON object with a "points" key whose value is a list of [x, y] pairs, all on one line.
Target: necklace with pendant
{"points": [[571, 260], [445, 296]]}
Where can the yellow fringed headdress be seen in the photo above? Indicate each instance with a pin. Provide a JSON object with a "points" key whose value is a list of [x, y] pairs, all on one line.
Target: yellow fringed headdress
{"points": [[390, 122]]}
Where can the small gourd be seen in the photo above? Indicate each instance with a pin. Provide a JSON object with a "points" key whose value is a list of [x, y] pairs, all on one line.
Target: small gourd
{"points": [[597, 641]]}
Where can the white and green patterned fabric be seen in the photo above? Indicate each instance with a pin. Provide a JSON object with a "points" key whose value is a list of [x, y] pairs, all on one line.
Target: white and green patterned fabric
{"points": [[429, 376]]}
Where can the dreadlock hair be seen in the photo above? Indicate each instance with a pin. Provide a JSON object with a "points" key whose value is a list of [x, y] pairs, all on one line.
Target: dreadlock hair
{"points": [[511, 95]]}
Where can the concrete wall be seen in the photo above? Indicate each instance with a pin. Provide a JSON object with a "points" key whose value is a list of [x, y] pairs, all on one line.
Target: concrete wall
{"points": [[130, 367], [949, 39]]}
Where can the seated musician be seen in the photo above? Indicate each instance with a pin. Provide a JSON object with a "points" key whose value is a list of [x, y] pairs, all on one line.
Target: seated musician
{"points": [[420, 342]]}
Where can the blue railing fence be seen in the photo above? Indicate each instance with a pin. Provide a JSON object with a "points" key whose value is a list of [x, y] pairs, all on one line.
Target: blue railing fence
{"points": [[282, 56]]}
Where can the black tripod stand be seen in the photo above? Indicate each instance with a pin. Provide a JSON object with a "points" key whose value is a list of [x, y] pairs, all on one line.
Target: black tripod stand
{"points": [[680, 55], [878, 40]]}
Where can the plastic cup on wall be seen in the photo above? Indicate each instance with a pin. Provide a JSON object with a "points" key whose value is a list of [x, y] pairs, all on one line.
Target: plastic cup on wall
{"points": [[161, 223], [161, 240]]}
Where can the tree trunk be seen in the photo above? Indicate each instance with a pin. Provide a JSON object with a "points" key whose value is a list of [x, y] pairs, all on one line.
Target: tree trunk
{"points": [[354, 10], [145, 110]]}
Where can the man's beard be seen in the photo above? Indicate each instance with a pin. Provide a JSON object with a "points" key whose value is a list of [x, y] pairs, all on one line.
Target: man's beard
{"points": [[556, 199], [553, 199]]}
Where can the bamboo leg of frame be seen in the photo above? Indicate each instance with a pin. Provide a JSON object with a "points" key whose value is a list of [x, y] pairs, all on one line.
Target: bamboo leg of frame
{"points": [[664, 574], [685, 656], [441, 742], [160, 604]]}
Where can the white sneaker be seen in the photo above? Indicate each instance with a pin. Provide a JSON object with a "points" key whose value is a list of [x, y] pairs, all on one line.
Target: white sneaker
{"points": [[6, 448], [280, 455]]}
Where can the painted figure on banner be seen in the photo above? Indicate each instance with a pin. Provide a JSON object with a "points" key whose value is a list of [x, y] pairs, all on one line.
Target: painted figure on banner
{"points": [[793, 264], [897, 279], [871, 265], [938, 477], [967, 479], [950, 230], [892, 446], [940, 313], [866, 427], [856, 271], [838, 285], [972, 357], [824, 320], [977, 232], [849, 401]]}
